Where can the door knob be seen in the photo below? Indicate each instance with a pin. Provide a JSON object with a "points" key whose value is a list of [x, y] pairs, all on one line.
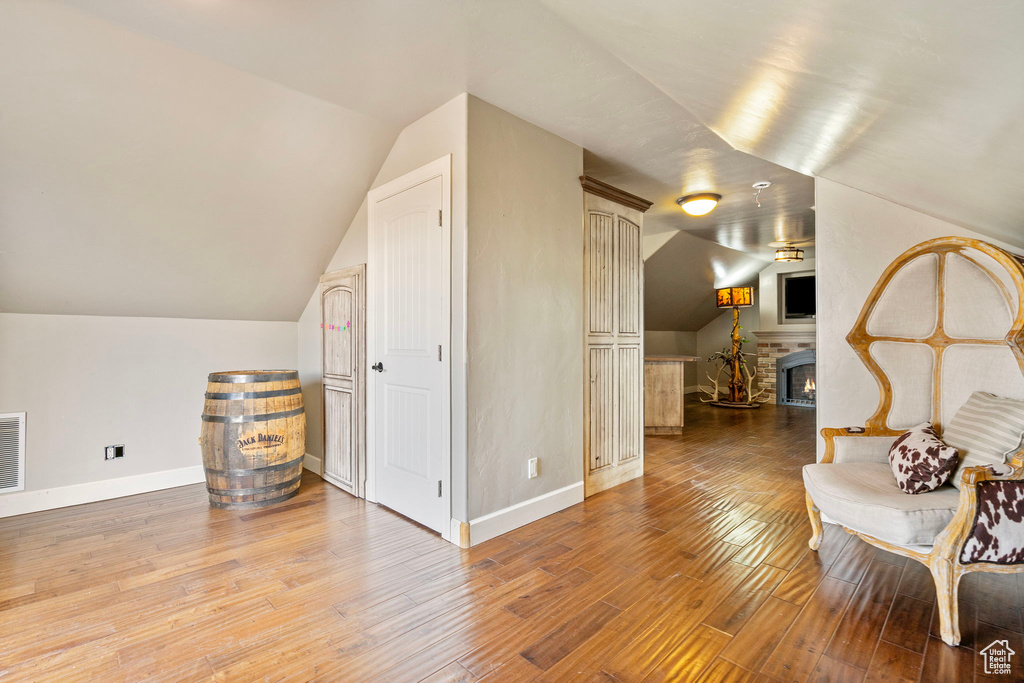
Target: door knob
{"points": [[379, 367]]}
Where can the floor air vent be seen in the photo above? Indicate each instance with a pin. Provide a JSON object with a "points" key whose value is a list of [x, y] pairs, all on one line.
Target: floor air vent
{"points": [[12, 452]]}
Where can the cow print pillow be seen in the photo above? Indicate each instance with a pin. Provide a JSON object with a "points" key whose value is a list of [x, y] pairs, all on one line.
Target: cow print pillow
{"points": [[920, 461]]}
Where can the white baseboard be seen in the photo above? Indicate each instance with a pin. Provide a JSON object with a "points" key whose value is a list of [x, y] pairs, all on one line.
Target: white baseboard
{"points": [[497, 523], [77, 494], [691, 390], [313, 464]]}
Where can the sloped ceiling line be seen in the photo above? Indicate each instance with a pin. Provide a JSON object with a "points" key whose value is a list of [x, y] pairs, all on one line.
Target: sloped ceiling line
{"points": [[218, 165]]}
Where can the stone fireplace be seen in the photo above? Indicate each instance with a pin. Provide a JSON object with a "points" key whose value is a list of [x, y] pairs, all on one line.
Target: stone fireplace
{"points": [[772, 347]]}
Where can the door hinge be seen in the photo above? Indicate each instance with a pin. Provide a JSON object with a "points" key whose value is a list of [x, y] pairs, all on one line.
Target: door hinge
{"points": [[439, 352], [438, 488], [439, 217]]}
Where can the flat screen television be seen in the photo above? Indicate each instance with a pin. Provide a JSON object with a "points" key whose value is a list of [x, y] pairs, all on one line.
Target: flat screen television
{"points": [[798, 297]]}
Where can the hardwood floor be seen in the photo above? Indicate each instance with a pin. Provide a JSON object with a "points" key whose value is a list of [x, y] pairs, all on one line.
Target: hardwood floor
{"points": [[699, 571]]}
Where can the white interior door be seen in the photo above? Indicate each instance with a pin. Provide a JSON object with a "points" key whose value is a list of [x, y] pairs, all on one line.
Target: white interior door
{"points": [[411, 326]]}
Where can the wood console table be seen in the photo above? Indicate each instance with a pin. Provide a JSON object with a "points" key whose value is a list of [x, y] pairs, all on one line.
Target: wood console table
{"points": [[663, 393]]}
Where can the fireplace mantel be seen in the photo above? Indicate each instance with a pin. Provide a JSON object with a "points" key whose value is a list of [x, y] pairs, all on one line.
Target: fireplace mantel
{"points": [[797, 336]]}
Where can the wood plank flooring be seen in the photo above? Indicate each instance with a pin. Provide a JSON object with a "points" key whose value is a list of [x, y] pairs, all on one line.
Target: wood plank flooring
{"points": [[699, 571]]}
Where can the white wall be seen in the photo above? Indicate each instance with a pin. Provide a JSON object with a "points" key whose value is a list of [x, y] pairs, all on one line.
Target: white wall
{"points": [[525, 310], [717, 335], [441, 132], [857, 236], [768, 295], [86, 382]]}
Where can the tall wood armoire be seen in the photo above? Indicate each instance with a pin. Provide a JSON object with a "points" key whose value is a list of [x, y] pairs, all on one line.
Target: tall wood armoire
{"points": [[613, 393]]}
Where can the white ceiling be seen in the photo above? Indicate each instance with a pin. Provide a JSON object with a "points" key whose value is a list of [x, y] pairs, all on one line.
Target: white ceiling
{"points": [[920, 102], [640, 84]]}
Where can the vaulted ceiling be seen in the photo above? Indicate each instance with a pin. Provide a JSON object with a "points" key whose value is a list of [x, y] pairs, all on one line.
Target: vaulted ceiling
{"points": [[139, 179], [920, 102], [203, 159]]}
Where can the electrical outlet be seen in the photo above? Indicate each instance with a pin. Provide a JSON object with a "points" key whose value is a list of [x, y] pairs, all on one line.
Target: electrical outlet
{"points": [[531, 468], [115, 451]]}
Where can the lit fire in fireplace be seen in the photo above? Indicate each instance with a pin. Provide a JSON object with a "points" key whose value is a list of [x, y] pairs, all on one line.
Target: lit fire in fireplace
{"points": [[809, 386]]}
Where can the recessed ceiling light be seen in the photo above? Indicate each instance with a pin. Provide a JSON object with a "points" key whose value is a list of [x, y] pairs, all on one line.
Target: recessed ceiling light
{"points": [[699, 204]]}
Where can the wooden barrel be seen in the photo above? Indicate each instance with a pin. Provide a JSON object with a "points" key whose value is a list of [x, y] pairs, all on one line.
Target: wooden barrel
{"points": [[254, 437]]}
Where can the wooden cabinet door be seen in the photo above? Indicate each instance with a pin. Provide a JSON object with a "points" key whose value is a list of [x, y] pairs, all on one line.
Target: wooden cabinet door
{"points": [[343, 334], [613, 391]]}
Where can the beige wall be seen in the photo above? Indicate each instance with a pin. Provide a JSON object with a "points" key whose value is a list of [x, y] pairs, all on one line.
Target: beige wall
{"points": [[525, 310], [857, 236], [660, 343], [441, 132], [518, 205], [86, 382]]}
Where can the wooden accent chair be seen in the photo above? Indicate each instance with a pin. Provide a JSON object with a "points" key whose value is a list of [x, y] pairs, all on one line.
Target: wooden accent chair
{"points": [[946, 319]]}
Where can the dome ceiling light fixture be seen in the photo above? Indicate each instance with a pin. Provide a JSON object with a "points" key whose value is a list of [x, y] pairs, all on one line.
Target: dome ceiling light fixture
{"points": [[789, 253], [699, 204], [763, 185]]}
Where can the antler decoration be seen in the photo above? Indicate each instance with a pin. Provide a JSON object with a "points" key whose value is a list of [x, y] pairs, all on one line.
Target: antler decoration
{"points": [[725, 358], [712, 393]]}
